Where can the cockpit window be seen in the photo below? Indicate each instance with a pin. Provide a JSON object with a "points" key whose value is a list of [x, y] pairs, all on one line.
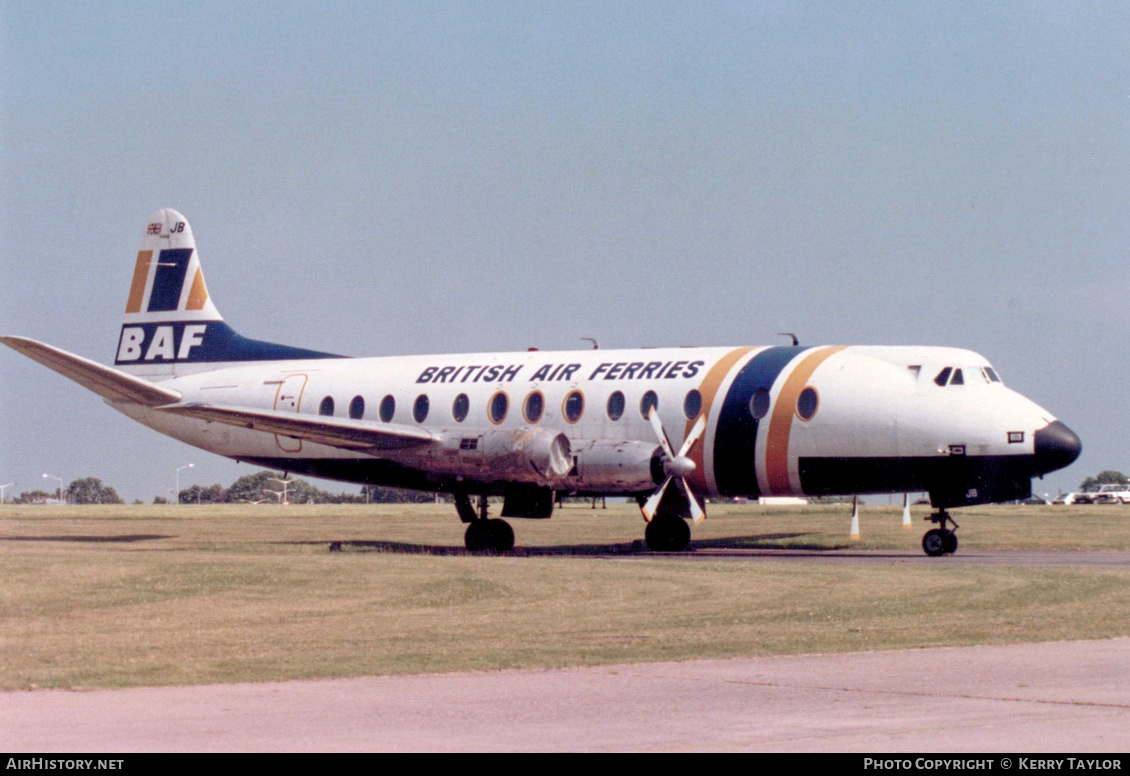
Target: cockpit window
{"points": [[969, 375]]}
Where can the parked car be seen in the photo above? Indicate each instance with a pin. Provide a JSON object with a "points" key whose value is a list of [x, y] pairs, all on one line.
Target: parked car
{"points": [[1073, 498], [1118, 493]]}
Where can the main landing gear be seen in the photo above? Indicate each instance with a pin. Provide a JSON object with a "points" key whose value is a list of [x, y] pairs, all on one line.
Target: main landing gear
{"points": [[940, 541], [484, 534]]}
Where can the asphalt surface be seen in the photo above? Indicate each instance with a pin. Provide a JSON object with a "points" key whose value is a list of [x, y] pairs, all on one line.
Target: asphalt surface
{"points": [[1068, 697]]}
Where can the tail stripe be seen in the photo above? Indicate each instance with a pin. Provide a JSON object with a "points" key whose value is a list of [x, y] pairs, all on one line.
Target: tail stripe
{"points": [[198, 295], [140, 278], [169, 281]]}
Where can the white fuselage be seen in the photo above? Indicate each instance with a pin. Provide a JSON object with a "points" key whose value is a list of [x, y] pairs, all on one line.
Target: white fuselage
{"points": [[779, 420]]}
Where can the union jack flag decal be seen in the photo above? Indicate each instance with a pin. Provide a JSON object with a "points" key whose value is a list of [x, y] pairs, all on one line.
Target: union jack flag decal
{"points": [[153, 229]]}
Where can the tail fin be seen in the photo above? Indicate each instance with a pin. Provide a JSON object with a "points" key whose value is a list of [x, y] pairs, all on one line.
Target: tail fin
{"points": [[171, 326]]}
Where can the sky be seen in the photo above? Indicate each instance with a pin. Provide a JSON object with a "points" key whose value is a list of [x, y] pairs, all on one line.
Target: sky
{"points": [[381, 178]]}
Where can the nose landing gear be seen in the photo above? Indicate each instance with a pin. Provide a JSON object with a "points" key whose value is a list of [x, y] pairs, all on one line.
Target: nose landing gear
{"points": [[667, 533], [940, 541]]}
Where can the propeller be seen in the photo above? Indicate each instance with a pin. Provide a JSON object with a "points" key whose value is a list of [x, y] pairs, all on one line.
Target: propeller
{"points": [[676, 466]]}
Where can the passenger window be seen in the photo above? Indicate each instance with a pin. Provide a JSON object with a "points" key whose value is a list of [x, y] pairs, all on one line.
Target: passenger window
{"points": [[574, 406], [759, 404], [357, 408], [807, 403], [943, 376], [460, 407], [498, 407], [420, 408], [648, 403], [387, 408], [615, 405], [327, 406], [533, 407], [692, 404]]}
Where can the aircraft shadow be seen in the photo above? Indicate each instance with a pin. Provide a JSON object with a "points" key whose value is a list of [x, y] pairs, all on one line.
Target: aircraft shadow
{"points": [[764, 543], [123, 538]]}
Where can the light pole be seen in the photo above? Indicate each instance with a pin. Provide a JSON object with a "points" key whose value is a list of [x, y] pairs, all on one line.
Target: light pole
{"points": [[3, 498], [176, 493], [60, 479], [282, 495]]}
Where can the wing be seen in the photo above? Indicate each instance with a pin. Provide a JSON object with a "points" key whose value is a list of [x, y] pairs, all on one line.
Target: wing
{"points": [[361, 435], [105, 381]]}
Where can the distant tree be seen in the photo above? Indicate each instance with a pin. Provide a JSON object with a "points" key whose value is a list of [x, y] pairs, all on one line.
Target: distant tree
{"points": [[34, 496], [198, 494], [1107, 477], [250, 487], [264, 486], [379, 495], [90, 490], [160, 500]]}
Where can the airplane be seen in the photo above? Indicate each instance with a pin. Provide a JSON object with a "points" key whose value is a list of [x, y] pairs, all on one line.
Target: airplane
{"points": [[667, 427]]}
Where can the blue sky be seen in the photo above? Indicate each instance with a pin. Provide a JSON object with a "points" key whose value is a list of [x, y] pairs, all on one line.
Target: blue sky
{"points": [[380, 178]]}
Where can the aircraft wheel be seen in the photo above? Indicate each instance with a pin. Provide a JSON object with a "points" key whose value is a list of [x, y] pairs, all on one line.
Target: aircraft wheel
{"points": [[667, 534], [934, 542], [949, 541], [477, 536], [489, 536], [502, 535]]}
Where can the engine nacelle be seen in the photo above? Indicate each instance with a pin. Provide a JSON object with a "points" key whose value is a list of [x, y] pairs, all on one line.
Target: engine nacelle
{"points": [[530, 455], [616, 466]]}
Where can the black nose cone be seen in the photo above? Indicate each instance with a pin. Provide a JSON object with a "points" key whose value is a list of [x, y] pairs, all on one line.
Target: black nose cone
{"points": [[1056, 447]]}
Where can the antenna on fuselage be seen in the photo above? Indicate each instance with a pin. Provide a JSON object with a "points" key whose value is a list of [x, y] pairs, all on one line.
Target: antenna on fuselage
{"points": [[595, 344], [789, 334]]}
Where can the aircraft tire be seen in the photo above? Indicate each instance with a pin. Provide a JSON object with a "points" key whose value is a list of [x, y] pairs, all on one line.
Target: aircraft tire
{"points": [[489, 536], [949, 541], [934, 542], [501, 534], [667, 534]]}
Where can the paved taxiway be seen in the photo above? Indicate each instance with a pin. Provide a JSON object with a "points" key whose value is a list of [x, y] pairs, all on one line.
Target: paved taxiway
{"points": [[1071, 697]]}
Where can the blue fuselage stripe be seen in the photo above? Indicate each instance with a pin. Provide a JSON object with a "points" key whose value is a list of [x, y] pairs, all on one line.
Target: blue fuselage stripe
{"points": [[735, 440]]}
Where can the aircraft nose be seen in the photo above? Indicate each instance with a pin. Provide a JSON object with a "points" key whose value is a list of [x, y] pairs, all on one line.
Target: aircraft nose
{"points": [[1056, 447]]}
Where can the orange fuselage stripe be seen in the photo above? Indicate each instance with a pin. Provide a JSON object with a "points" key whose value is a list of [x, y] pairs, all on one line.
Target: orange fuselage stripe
{"points": [[781, 421]]}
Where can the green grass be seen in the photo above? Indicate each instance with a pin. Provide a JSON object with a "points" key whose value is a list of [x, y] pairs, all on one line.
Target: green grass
{"points": [[150, 595]]}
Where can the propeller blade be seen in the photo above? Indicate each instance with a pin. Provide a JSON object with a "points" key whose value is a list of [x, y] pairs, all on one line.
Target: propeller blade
{"points": [[696, 431], [664, 442], [653, 500], [696, 510]]}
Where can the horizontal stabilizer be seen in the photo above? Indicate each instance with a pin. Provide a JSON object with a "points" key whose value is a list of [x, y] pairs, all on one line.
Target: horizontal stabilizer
{"points": [[105, 381], [359, 435]]}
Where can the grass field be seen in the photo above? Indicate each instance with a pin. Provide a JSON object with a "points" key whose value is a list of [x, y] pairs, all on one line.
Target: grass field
{"points": [[157, 595]]}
